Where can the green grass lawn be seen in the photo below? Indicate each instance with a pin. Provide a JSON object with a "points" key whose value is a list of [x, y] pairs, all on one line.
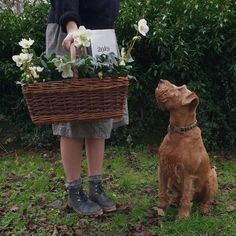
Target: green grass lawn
{"points": [[33, 198]]}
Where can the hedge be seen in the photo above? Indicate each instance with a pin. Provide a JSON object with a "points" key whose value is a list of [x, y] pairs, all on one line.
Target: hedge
{"points": [[190, 42]]}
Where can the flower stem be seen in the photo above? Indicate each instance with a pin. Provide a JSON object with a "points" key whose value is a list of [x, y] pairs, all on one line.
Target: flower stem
{"points": [[131, 46]]}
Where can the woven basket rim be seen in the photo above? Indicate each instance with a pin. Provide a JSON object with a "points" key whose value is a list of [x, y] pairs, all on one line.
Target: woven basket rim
{"points": [[77, 79], [82, 99], [86, 84]]}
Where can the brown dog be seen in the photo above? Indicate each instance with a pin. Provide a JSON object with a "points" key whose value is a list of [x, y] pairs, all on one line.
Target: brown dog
{"points": [[184, 163]]}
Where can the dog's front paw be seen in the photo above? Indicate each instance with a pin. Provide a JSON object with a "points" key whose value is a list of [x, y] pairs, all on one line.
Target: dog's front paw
{"points": [[204, 208], [162, 204], [184, 211], [183, 215]]}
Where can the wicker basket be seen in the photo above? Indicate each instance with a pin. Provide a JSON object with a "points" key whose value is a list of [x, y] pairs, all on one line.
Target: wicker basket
{"points": [[76, 98], [80, 99]]}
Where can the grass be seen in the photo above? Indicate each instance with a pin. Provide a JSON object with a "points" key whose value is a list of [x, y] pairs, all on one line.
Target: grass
{"points": [[33, 198]]}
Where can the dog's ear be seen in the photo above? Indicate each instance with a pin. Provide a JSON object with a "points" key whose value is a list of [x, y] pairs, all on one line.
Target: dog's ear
{"points": [[192, 100]]}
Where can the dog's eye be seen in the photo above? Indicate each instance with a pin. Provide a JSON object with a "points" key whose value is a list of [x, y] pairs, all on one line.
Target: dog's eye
{"points": [[164, 93]]}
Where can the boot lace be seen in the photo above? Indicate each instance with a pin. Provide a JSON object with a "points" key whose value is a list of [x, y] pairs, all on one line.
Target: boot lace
{"points": [[81, 195], [99, 188]]}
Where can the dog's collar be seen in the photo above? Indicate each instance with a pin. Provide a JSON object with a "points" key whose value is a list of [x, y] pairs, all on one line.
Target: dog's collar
{"points": [[182, 129]]}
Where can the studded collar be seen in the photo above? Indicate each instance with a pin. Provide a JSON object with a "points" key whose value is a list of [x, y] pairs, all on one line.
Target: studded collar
{"points": [[182, 129]]}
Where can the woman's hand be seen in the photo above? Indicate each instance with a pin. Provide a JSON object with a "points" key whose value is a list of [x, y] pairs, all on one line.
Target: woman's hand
{"points": [[68, 40]]}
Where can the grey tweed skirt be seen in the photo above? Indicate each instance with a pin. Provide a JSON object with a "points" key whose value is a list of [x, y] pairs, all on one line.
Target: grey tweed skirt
{"points": [[79, 129]]}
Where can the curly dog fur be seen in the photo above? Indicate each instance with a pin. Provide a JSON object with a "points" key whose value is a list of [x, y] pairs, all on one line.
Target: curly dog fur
{"points": [[184, 167]]}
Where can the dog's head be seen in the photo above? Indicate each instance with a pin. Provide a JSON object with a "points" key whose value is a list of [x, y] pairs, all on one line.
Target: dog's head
{"points": [[171, 97]]}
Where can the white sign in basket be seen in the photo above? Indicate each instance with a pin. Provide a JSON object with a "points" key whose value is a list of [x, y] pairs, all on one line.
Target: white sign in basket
{"points": [[103, 42]]}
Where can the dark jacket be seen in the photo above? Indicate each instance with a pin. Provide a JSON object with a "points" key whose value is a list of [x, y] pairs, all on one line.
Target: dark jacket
{"points": [[93, 14]]}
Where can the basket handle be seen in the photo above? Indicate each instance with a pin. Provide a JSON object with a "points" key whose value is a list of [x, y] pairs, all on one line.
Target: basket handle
{"points": [[73, 58]]}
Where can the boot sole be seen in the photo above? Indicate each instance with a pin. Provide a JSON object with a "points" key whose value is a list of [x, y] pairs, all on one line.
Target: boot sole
{"points": [[97, 213], [110, 209]]}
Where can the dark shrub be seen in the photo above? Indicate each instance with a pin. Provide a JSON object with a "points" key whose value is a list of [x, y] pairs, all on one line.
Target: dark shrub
{"points": [[30, 23], [191, 42]]}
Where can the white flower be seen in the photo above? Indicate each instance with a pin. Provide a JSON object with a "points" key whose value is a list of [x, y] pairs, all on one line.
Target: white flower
{"points": [[67, 71], [33, 71], [143, 27], [58, 63], [62, 67], [17, 59], [23, 57], [100, 74], [122, 62], [39, 69], [26, 56], [24, 43], [82, 37]]}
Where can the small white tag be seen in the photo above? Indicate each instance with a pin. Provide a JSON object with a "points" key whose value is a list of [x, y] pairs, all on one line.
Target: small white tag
{"points": [[103, 42]]}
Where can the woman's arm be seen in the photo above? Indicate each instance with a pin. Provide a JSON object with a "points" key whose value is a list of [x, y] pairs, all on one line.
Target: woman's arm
{"points": [[66, 11]]}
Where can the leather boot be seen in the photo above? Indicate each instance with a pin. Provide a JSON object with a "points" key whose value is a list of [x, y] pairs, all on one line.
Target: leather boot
{"points": [[80, 202], [97, 194]]}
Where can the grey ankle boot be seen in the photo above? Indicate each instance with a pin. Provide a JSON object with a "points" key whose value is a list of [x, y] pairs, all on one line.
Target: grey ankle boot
{"points": [[97, 194], [79, 201]]}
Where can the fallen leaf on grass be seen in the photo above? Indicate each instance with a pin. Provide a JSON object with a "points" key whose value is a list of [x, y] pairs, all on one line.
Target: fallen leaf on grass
{"points": [[132, 154], [141, 231], [226, 188], [152, 220], [214, 202], [102, 218], [55, 231], [3, 209], [234, 185], [14, 208], [230, 208], [108, 177], [59, 230], [31, 226], [122, 208], [83, 227], [145, 233], [79, 232], [149, 191], [160, 211], [56, 204], [6, 195], [15, 178]]}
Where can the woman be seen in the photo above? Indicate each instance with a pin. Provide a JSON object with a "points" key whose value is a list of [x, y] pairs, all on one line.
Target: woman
{"points": [[64, 18]]}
